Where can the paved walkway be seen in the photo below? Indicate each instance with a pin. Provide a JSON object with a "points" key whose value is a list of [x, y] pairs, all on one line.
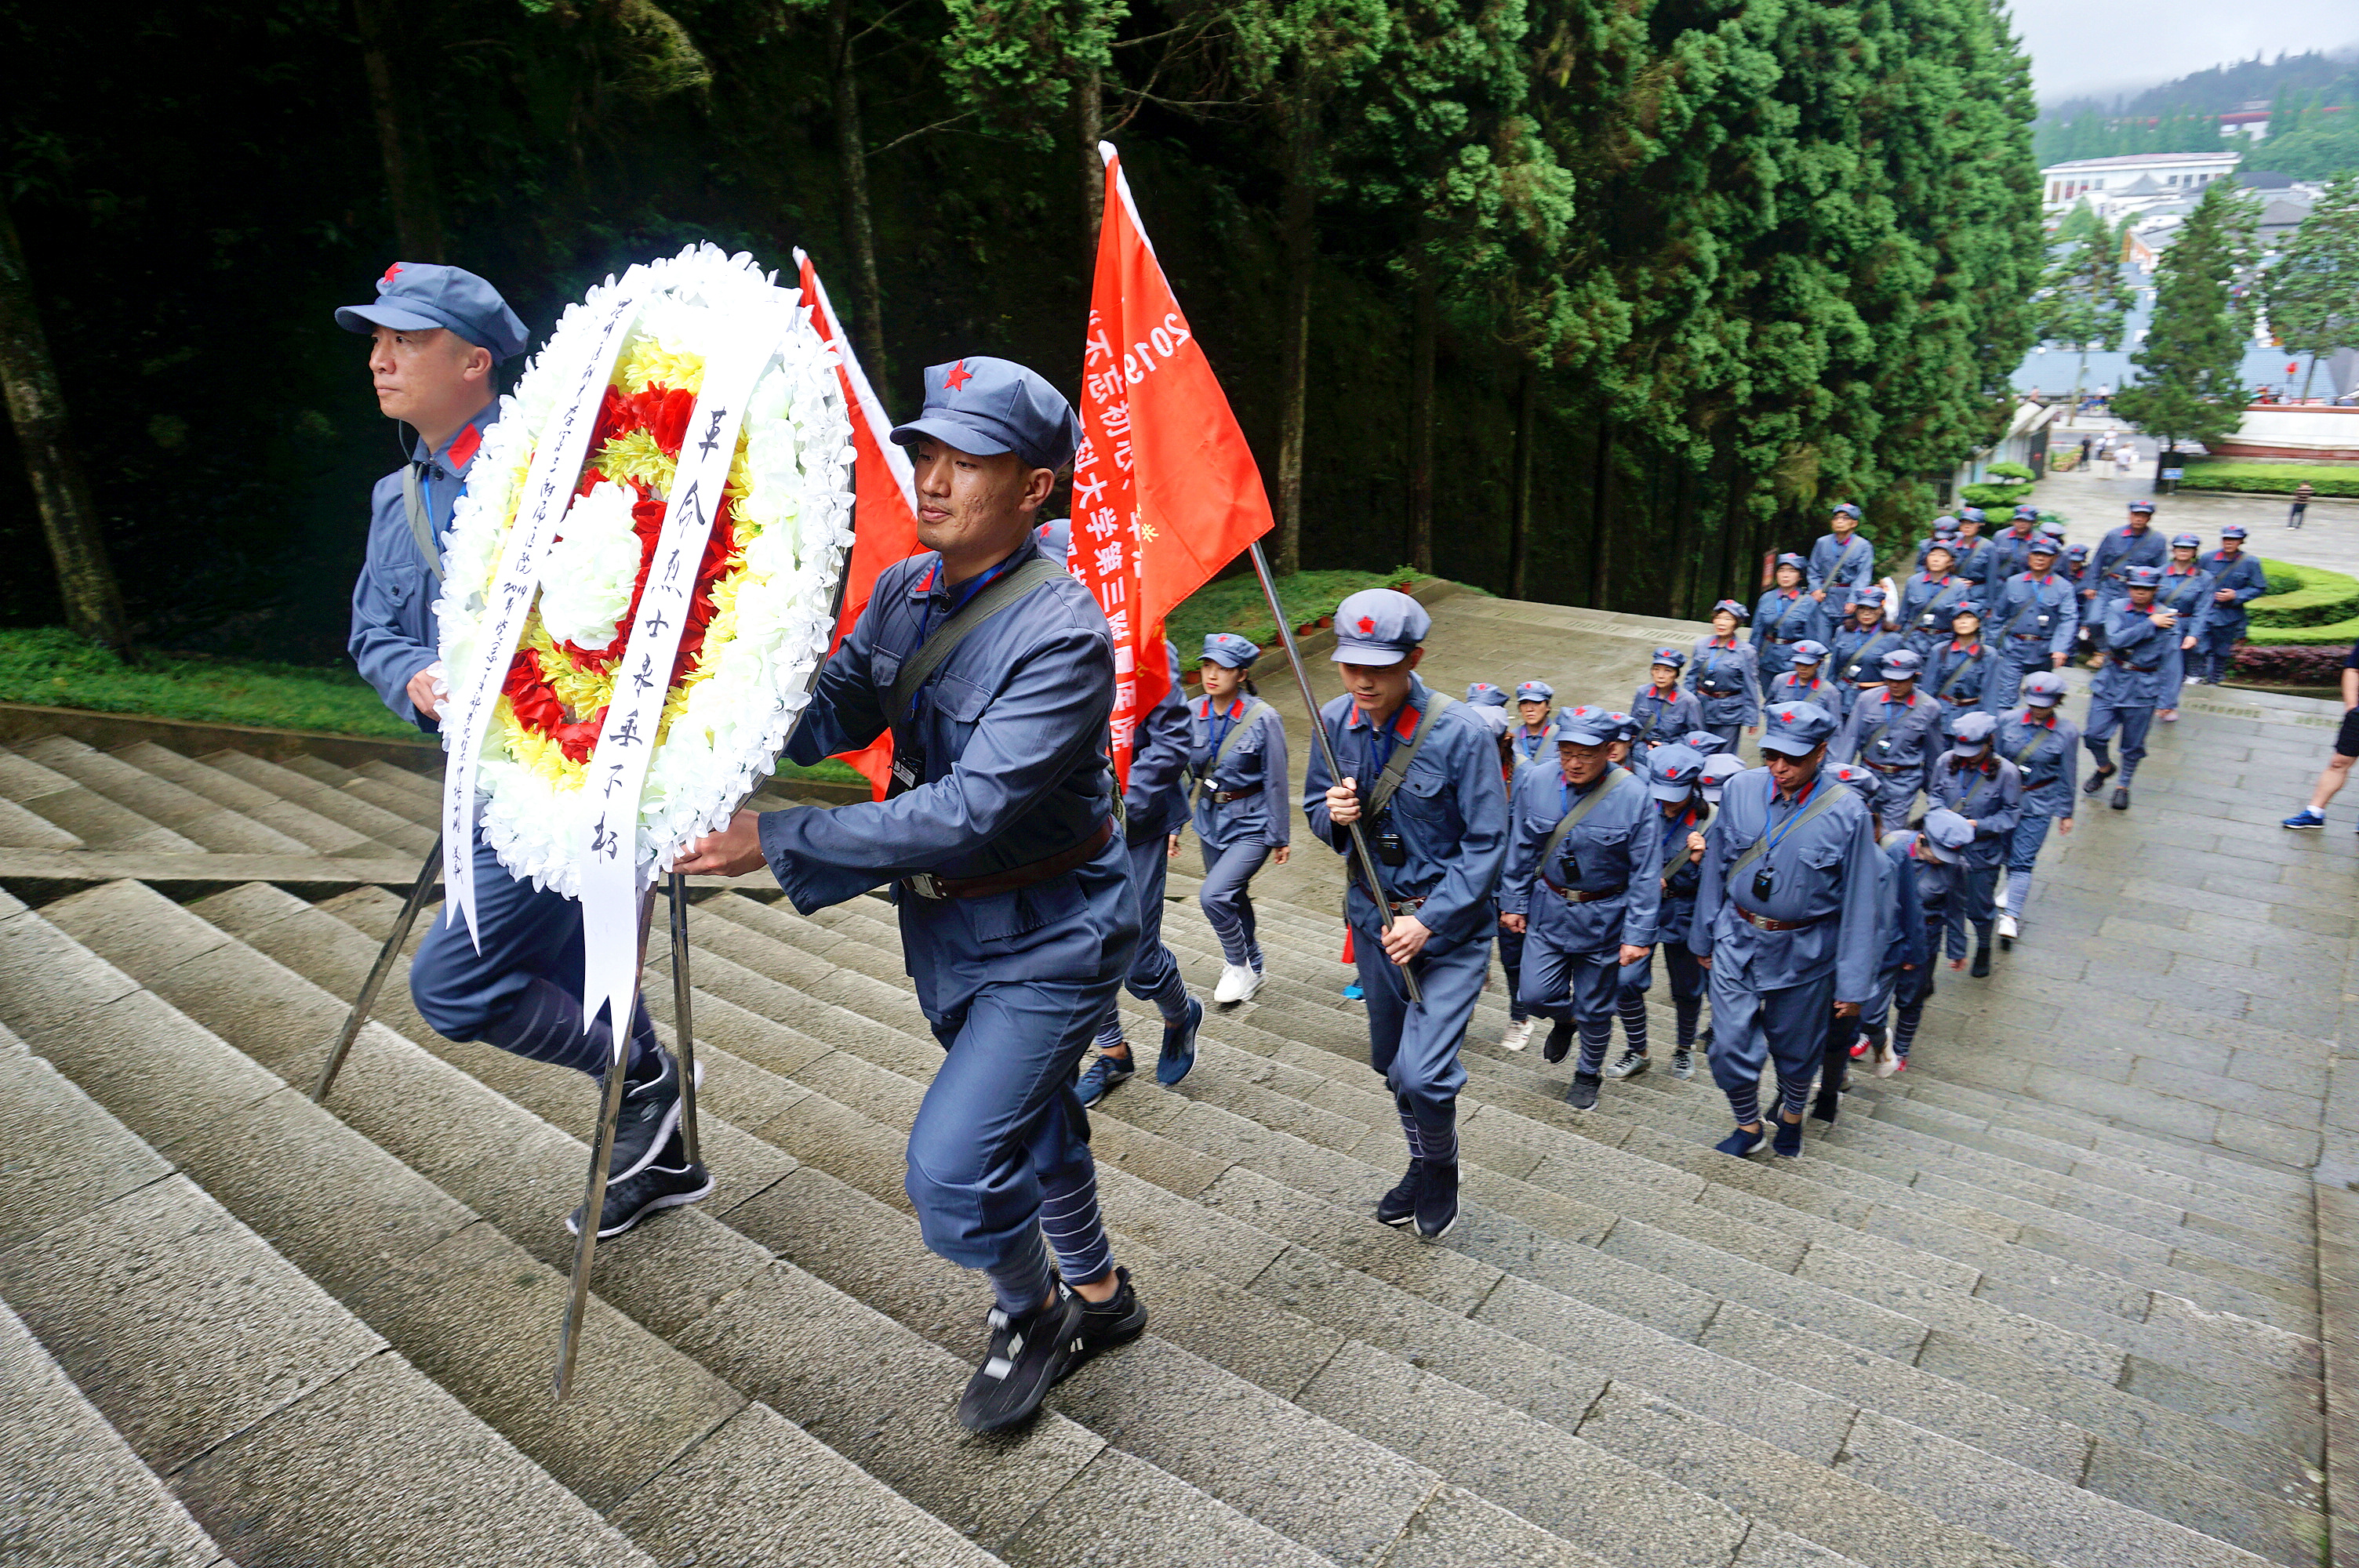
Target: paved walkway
{"points": [[2091, 504]]}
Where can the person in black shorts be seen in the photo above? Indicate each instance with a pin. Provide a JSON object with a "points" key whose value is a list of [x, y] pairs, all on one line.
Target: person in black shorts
{"points": [[2346, 751]]}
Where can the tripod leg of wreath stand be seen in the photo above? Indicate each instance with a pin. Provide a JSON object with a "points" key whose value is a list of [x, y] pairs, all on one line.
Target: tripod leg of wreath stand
{"points": [[683, 1022], [365, 1003], [602, 1162]]}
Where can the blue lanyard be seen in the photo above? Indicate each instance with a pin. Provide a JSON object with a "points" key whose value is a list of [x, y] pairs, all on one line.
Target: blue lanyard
{"points": [[1777, 834], [960, 596], [1217, 724], [1675, 831]]}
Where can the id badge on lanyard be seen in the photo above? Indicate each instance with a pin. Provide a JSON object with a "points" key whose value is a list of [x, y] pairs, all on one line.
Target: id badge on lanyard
{"points": [[908, 772]]}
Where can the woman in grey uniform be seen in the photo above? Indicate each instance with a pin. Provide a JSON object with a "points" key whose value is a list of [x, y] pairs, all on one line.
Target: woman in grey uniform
{"points": [[1237, 757]]}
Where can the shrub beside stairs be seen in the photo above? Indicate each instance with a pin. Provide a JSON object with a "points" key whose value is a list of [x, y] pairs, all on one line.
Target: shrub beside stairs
{"points": [[1966, 1330]]}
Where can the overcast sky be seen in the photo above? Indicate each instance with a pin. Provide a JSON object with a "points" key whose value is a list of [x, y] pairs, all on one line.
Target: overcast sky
{"points": [[2102, 47]]}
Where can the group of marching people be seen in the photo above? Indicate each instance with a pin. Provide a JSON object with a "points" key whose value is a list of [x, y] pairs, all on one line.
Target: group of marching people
{"points": [[1952, 693]]}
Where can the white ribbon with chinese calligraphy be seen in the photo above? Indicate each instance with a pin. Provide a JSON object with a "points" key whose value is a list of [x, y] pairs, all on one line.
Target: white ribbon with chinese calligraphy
{"points": [[547, 491], [611, 871]]}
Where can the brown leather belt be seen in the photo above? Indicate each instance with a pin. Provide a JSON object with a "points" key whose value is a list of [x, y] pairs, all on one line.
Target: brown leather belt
{"points": [[1574, 895], [1889, 767], [1223, 797], [1406, 905], [1766, 924], [925, 884]]}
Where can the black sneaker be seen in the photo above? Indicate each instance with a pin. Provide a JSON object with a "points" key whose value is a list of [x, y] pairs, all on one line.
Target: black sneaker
{"points": [[1788, 1140], [1107, 1324], [1560, 1040], [2121, 801], [650, 1115], [1583, 1094], [1827, 1106], [1437, 1202], [1398, 1207], [2096, 781], [666, 1182], [1630, 1065], [1029, 1354]]}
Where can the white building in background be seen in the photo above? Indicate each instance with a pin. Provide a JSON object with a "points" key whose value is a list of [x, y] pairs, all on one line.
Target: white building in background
{"points": [[2113, 186]]}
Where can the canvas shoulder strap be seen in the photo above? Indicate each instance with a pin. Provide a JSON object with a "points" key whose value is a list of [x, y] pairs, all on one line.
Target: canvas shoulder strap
{"points": [[944, 639], [1237, 732], [1614, 784], [2037, 741], [1389, 781], [1963, 667], [421, 531], [1819, 806]]}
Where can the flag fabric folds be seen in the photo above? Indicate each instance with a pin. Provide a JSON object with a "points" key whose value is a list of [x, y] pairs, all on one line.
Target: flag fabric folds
{"points": [[884, 511], [1165, 492]]}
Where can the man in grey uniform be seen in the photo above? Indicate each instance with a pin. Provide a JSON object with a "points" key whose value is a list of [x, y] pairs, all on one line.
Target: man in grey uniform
{"points": [[993, 669], [1421, 777], [1787, 921]]}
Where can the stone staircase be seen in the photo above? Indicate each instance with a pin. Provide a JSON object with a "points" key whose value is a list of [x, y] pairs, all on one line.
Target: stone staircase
{"points": [[1969, 1329]]}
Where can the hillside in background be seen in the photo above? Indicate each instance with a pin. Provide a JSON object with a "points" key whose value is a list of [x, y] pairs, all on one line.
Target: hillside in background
{"points": [[2312, 99]]}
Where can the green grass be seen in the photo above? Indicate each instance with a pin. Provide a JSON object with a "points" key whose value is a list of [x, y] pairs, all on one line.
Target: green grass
{"points": [[51, 666], [2273, 479], [1236, 604]]}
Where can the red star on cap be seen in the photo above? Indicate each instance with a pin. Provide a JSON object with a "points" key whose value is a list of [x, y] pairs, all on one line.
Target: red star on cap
{"points": [[391, 273], [958, 376], [1367, 625]]}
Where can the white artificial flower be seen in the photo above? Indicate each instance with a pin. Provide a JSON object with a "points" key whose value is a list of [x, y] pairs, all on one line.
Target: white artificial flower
{"points": [[585, 583]]}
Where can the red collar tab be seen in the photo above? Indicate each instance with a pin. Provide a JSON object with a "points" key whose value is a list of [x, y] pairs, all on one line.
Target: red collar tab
{"points": [[926, 584], [1405, 721], [462, 450]]}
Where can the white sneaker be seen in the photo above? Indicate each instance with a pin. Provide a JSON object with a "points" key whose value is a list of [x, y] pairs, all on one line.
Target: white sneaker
{"points": [[1517, 1035], [1238, 983], [2007, 928]]}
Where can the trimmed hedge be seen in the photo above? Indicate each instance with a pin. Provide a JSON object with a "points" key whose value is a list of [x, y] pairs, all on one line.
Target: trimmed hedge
{"points": [[2318, 598], [2272, 479]]}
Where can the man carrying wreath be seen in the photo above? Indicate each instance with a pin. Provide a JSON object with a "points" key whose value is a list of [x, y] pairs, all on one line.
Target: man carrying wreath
{"points": [[993, 669], [437, 333]]}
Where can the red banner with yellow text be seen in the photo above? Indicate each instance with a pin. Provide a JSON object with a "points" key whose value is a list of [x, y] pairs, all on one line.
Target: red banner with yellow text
{"points": [[1165, 492]]}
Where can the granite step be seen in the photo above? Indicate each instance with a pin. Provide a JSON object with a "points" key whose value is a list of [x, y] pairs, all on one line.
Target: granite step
{"points": [[1373, 1113], [423, 810], [76, 809], [320, 834], [879, 1165], [205, 823], [398, 834], [285, 1428], [2267, 1474]]}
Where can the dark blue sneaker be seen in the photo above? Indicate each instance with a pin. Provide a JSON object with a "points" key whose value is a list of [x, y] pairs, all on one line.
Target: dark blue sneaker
{"points": [[1179, 1045], [1788, 1140], [1741, 1142], [2305, 817], [1103, 1075]]}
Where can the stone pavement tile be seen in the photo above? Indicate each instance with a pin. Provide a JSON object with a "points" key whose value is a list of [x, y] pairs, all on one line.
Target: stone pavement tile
{"points": [[759, 1491], [2229, 1094], [2270, 1140], [1458, 1529], [380, 1464], [2312, 1015], [2146, 1108], [2295, 1077], [64, 1155], [71, 1492], [166, 1267], [1116, 1503]]}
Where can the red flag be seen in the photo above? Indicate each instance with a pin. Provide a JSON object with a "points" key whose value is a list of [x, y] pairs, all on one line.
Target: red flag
{"points": [[1165, 491], [884, 511]]}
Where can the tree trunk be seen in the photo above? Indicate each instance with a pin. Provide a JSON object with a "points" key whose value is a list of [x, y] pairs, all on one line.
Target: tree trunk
{"points": [[859, 231], [1519, 526], [37, 405], [1425, 332], [1089, 102], [2307, 374], [1600, 552], [1301, 241], [400, 134], [1682, 529]]}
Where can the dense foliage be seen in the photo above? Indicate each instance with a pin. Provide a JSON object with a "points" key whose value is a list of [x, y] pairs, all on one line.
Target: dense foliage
{"points": [[1609, 295]]}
